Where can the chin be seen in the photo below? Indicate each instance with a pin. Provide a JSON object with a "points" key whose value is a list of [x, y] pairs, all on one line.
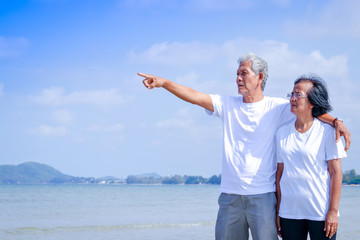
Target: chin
{"points": [[241, 91]]}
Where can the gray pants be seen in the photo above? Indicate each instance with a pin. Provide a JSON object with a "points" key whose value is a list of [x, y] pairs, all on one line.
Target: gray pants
{"points": [[238, 213]]}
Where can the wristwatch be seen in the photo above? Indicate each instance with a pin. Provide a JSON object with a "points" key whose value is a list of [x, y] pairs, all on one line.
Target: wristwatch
{"points": [[337, 119]]}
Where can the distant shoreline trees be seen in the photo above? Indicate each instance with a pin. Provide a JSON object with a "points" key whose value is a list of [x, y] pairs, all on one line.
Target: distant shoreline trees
{"points": [[36, 173], [350, 177], [177, 179]]}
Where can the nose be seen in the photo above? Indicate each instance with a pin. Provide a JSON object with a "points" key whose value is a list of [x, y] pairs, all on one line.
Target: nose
{"points": [[238, 79]]}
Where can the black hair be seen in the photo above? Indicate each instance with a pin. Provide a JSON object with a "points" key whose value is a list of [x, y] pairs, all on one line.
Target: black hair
{"points": [[318, 95]]}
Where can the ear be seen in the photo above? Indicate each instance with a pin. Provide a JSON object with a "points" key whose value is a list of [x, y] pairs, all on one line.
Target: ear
{"points": [[261, 77]]}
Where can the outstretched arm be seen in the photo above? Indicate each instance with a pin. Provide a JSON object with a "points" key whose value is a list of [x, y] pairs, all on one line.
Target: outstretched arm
{"points": [[340, 128], [185, 93]]}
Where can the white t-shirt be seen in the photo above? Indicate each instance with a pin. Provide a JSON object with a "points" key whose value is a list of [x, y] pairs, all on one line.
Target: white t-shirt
{"points": [[249, 164], [305, 182]]}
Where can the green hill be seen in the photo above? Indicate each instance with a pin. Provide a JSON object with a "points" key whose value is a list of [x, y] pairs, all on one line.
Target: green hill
{"points": [[31, 173]]}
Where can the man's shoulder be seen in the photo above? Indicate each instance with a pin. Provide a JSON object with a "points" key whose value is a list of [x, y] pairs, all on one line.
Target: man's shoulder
{"points": [[275, 103], [226, 98], [285, 129], [276, 100]]}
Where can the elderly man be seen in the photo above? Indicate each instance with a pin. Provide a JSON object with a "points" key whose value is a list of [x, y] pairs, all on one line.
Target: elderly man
{"points": [[250, 122]]}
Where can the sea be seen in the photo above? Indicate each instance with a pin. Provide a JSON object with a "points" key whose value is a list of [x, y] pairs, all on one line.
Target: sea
{"points": [[128, 212]]}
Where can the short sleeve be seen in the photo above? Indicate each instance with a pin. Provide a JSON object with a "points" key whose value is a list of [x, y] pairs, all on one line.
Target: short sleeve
{"points": [[333, 150], [217, 105]]}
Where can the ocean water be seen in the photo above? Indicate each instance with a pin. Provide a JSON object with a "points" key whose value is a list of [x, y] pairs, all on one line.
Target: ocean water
{"points": [[127, 212]]}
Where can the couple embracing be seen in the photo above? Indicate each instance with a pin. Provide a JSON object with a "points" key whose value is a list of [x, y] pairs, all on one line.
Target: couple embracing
{"points": [[281, 169]]}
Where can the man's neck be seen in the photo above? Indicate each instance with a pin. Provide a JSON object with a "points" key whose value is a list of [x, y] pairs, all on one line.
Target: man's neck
{"points": [[253, 98]]}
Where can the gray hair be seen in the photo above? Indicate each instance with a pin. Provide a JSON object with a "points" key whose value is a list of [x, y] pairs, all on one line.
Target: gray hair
{"points": [[259, 65]]}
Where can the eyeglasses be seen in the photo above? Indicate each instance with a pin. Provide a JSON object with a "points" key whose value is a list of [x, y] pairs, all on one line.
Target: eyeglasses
{"points": [[296, 95]]}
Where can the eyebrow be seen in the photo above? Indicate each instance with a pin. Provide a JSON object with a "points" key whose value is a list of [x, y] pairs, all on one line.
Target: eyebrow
{"points": [[242, 70]]}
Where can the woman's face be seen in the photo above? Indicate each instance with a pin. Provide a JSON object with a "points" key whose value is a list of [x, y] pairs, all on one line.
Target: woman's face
{"points": [[300, 104]]}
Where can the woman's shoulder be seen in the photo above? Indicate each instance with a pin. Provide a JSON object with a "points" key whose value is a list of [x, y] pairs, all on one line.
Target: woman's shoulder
{"points": [[326, 128]]}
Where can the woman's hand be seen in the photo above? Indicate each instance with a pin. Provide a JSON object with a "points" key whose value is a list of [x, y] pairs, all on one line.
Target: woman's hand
{"points": [[331, 223], [278, 228]]}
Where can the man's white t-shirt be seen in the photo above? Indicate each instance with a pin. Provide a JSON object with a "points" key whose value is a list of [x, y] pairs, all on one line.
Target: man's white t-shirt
{"points": [[249, 164], [305, 182]]}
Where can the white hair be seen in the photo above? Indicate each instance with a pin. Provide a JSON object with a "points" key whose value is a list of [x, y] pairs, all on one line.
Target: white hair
{"points": [[259, 65]]}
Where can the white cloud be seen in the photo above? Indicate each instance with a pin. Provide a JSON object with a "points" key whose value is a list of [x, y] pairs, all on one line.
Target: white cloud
{"points": [[115, 128], [62, 116], [285, 62], [49, 131], [176, 53], [10, 47], [187, 79], [56, 96], [183, 120], [338, 18], [1, 89], [189, 123], [220, 62]]}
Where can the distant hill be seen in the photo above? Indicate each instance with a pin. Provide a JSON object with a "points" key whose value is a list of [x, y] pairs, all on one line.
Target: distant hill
{"points": [[32, 173]]}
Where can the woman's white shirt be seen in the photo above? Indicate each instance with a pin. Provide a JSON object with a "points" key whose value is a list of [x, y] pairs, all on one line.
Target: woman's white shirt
{"points": [[305, 182]]}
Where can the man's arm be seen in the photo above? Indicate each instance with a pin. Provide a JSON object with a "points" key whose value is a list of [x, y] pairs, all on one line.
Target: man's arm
{"points": [[340, 128], [185, 93]]}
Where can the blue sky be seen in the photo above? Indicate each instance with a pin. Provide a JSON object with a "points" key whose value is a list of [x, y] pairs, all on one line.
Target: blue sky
{"points": [[70, 96]]}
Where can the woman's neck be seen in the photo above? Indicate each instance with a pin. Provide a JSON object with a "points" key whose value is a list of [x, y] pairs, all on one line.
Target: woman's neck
{"points": [[303, 123]]}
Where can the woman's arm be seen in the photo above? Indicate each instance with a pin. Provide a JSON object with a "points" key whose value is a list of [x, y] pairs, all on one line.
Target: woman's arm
{"points": [[331, 221], [279, 171]]}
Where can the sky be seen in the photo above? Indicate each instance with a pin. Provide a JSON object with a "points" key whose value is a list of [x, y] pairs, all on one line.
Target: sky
{"points": [[70, 96]]}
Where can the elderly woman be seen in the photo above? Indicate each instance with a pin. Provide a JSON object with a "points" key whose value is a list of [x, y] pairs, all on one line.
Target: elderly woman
{"points": [[309, 176]]}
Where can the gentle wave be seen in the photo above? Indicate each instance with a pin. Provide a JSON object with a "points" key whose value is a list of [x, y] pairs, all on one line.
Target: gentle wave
{"points": [[106, 228]]}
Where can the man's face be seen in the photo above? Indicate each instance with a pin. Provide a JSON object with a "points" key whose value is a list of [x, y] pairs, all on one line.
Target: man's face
{"points": [[248, 83]]}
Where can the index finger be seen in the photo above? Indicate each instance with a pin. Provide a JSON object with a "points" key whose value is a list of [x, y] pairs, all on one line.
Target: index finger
{"points": [[143, 75]]}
